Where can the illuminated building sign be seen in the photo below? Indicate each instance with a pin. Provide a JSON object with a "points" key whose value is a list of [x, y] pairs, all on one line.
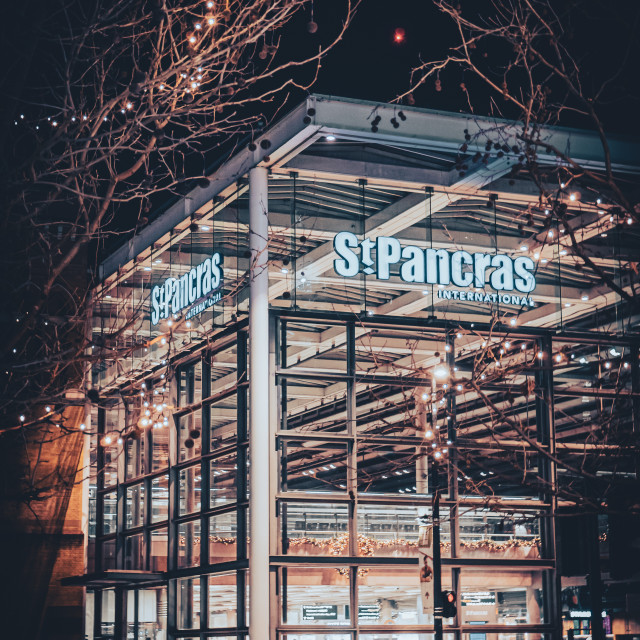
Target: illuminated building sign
{"points": [[511, 278], [197, 284]]}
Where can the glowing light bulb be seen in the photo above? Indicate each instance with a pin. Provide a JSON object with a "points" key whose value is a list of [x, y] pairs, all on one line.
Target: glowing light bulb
{"points": [[192, 39]]}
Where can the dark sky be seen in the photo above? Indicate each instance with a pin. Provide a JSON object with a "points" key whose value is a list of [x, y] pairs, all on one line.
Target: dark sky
{"points": [[368, 64]]}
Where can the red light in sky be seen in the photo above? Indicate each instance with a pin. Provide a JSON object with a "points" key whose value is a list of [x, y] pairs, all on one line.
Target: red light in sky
{"points": [[398, 35]]}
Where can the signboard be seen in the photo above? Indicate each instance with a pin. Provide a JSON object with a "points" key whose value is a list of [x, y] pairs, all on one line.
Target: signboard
{"points": [[511, 278], [478, 598], [425, 546], [197, 285], [368, 612], [582, 614], [320, 612]]}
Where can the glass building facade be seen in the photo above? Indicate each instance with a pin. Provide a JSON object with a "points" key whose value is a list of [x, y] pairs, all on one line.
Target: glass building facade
{"points": [[393, 319]]}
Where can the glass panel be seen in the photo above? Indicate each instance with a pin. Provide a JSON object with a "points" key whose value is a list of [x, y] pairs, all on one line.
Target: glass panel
{"points": [[191, 384], [135, 456], [314, 466], [108, 613], [110, 507], [222, 600], [160, 498], [392, 469], [223, 537], [190, 490], [316, 345], [316, 595], [152, 614], [109, 554], [158, 556], [189, 440], [110, 469], [134, 508], [393, 530], [389, 595], [222, 480], [316, 529], [188, 605], [189, 544], [134, 552], [493, 596], [224, 419], [313, 405], [160, 447], [499, 534], [89, 609]]}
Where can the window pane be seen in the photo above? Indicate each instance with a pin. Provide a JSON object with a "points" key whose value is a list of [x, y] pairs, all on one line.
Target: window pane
{"points": [[152, 614], [189, 544], [108, 613], [134, 457], [224, 418], [222, 479], [188, 603], [223, 537], [390, 595], [134, 552], [134, 509], [158, 550], [110, 503], [392, 530], [316, 529], [160, 448], [189, 440], [190, 490], [109, 554], [222, 601], [160, 498], [316, 595], [320, 467]]}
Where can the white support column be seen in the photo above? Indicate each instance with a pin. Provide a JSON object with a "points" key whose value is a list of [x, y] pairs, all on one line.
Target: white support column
{"points": [[259, 405]]}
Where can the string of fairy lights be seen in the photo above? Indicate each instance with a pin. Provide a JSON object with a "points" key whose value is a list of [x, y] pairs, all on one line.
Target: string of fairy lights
{"points": [[179, 79]]}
